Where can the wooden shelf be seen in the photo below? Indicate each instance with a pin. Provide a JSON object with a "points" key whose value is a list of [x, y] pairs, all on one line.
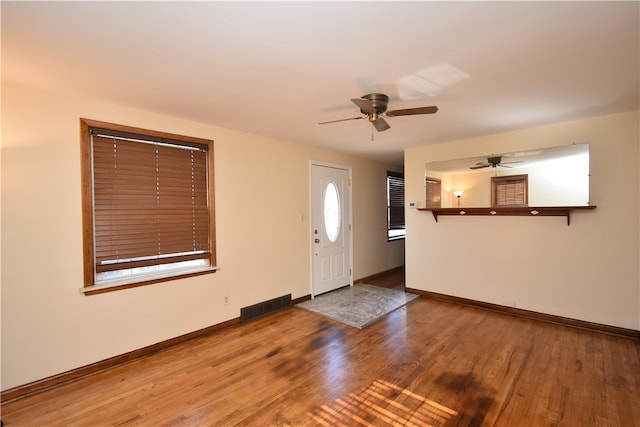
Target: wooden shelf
{"points": [[515, 211]]}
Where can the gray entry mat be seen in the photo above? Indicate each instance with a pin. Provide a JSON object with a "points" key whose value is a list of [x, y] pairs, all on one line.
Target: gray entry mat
{"points": [[358, 305]]}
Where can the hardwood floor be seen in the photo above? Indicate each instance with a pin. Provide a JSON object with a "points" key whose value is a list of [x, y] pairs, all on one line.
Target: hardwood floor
{"points": [[431, 363], [392, 279]]}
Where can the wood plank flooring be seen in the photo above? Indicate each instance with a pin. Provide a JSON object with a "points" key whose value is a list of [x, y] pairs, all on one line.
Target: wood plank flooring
{"points": [[431, 363]]}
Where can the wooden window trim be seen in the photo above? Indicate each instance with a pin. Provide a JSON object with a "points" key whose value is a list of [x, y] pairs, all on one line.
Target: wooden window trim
{"points": [[86, 125]]}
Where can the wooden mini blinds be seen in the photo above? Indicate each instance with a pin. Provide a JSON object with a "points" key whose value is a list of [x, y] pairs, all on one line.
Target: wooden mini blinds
{"points": [[150, 200]]}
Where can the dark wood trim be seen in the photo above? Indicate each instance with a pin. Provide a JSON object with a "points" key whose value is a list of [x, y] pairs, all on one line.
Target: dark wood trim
{"points": [[509, 211], [378, 275], [90, 123], [90, 290], [74, 374], [301, 299], [566, 321], [87, 200]]}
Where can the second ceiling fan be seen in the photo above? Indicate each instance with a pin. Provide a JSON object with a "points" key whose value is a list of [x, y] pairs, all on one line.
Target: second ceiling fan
{"points": [[493, 162], [374, 105]]}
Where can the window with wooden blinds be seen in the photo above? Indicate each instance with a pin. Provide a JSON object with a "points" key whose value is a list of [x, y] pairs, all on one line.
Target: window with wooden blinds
{"points": [[433, 187], [151, 204], [510, 190], [395, 205]]}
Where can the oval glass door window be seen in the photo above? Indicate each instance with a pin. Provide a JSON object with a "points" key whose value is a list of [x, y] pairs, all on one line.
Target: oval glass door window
{"points": [[332, 212]]}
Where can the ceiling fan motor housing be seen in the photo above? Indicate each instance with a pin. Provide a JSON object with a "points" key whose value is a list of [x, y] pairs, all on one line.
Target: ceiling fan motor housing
{"points": [[379, 102], [494, 160]]}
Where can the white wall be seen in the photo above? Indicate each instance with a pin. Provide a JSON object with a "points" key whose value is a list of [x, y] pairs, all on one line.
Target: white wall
{"points": [[587, 271], [49, 327]]}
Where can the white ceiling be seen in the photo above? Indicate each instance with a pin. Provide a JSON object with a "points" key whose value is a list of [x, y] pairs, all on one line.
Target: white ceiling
{"points": [[279, 68]]}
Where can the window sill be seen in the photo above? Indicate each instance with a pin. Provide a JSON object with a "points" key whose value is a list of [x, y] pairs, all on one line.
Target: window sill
{"points": [[116, 285]]}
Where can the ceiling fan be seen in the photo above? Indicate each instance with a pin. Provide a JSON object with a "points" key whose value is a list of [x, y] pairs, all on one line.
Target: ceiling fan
{"points": [[374, 106], [493, 162]]}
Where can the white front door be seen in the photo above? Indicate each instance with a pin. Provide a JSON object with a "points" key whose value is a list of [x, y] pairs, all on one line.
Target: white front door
{"points": [[330, 228]]}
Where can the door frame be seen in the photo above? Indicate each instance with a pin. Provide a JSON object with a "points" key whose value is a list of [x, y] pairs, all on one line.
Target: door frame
{"points": [[348, 227]]}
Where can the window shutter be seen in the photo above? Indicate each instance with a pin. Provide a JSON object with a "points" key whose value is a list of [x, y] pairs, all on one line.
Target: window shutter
{"points": [[395, 183], [150, 202]]}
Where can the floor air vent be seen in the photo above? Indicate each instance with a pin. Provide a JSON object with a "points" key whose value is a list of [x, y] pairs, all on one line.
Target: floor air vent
{"points": [[257, 310]]}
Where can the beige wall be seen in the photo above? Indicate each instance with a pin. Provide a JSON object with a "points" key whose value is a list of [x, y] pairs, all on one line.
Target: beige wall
{"points": [[587, 271], [49, 327]]}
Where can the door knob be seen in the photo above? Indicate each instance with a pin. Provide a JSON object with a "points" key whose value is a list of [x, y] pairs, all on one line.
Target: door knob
{"points": [[317, 240]]}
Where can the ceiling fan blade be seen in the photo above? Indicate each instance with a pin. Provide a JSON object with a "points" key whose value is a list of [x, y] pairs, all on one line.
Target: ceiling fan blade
{"points": [[412, 111], [380, 124], [364, 104], [342, 120], [479, 167]]}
